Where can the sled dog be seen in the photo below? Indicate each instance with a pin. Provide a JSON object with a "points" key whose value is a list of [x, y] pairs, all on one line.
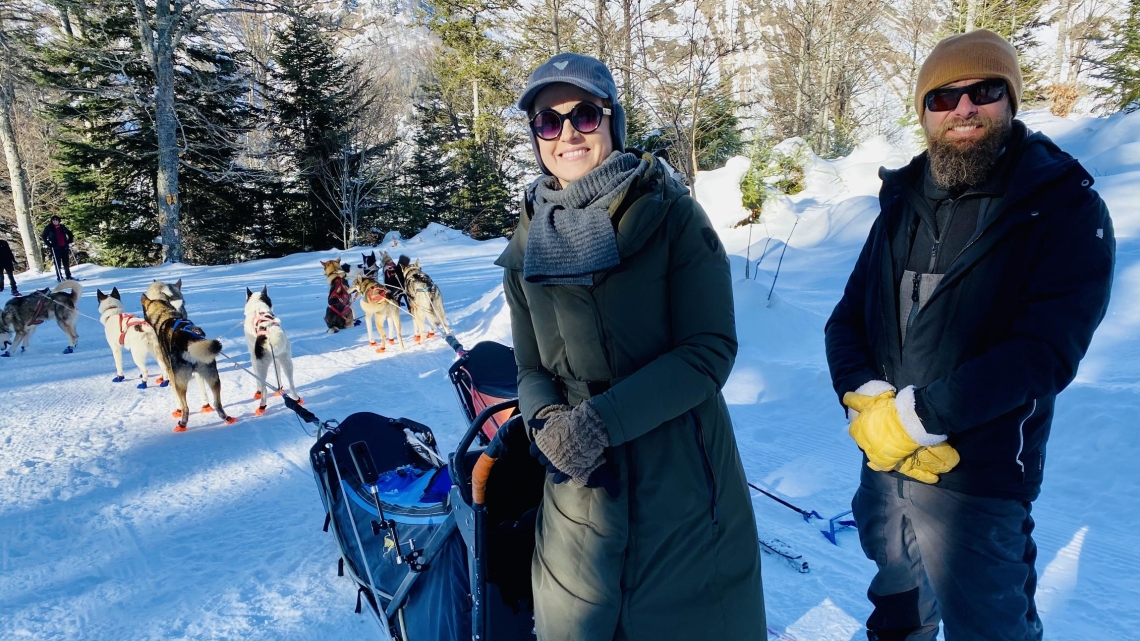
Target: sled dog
{"points": [[424, 301], [268, 345], [127, 331], [394, 278], [381, 308], [187, 350], [370, 268], [171, 293], [23, 314], [338, 313]]}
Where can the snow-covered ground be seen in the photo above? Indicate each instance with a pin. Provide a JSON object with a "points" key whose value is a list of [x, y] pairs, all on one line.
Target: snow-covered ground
{"points": [[113, 527]]}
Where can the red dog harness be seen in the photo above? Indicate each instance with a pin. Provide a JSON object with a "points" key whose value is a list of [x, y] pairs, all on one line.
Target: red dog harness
{"points": [[339, 300], [376, 295], [126, 322], [263, 321]]}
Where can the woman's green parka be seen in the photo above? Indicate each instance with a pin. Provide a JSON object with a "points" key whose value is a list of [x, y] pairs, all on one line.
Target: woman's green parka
{"points": [[675, 555]]}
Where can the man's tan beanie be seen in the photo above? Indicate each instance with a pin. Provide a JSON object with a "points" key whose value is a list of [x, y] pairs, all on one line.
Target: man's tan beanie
{"points": [[977, 54]]}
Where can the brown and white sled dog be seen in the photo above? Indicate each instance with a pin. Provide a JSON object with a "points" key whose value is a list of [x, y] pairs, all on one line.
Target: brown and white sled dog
{"points": [[380, 307], [267, 345], [23, 314], [169, 292], [425, 302], [186, 349], [338, 312], [130, 332]]}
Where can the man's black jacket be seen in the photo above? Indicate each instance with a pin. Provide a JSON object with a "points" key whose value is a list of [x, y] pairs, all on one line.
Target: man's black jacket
{"points": [[7, 258], [49, 236], [1003, 332]]}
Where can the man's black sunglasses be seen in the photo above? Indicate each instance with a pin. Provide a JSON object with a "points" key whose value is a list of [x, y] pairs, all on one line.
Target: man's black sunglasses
{"points": [[981, 93], [586, 117]]}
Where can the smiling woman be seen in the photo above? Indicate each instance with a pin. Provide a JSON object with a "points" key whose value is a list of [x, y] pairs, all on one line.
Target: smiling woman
{"points": [[646, 527]]}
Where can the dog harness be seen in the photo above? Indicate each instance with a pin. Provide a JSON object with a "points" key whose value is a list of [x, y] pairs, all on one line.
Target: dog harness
{"points": [[339, 300], [126, 322], [36, 318], [376, 295], [263, 321], [183, 325]]}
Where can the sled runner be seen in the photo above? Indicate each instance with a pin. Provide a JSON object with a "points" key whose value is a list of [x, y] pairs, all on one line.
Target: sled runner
{"points": [[439, 551]]}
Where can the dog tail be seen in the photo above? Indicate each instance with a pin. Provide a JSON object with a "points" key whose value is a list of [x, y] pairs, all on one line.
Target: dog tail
{"points": [[204, 351], [75, 287], [277, 339]]}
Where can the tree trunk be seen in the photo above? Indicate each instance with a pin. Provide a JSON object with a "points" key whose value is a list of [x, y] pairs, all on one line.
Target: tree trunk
{"points": [[600, 20], [971, 15], [19, 178], [1062, 43], [627, 63], [166, 126]]}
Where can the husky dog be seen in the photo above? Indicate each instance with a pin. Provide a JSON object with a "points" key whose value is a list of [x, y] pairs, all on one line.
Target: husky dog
{"points": [[379, 307], [370, 268], [172, 294], [394, 278], [127, 330], [338, 313], [22, 315], [424, 301], [267, 344], [187, 350]]}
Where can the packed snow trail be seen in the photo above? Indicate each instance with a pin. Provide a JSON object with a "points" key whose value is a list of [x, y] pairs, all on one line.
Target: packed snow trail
{"points": [[113, 527]]}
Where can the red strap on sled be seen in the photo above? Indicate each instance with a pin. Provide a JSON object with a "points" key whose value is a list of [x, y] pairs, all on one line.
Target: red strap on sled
{"points": [[127, 321]]}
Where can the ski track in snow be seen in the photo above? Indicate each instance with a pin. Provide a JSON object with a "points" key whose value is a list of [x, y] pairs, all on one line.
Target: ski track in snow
{"points": [[113, 527]]}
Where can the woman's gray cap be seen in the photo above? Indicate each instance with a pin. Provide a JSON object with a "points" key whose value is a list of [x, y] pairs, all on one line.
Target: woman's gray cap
{"points": [[587, 73]]}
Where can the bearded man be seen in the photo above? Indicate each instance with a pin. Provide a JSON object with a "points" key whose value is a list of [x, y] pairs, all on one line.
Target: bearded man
{"points": [[970, 306]]}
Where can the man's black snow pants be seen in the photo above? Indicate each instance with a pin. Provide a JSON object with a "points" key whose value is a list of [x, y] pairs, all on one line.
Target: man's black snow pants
{"points": [[62, 256], [942, 555]]}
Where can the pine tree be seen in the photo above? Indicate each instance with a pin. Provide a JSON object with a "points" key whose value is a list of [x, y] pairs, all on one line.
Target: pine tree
{"points": [[108, 146], [473, 74], [422, 193], [1121, 68], [316, 100], [718, 130]]}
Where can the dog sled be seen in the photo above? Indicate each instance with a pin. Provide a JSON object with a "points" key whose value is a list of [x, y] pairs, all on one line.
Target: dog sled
{"points": [[440, 549]]}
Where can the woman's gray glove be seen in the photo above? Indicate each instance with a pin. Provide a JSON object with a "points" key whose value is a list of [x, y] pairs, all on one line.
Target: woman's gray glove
{"points": [[573, 440]]}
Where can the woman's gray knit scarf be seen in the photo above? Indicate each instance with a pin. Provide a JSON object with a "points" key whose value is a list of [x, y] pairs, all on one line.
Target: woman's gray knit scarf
{"points": [[571, 235]]}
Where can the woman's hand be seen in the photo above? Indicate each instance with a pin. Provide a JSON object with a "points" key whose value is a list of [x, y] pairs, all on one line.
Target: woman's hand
{"points": [[571, 443]]}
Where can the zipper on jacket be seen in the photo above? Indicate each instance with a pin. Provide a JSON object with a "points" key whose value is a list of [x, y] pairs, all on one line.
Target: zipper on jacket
{"points": [[706, 462], [1021, 437]]}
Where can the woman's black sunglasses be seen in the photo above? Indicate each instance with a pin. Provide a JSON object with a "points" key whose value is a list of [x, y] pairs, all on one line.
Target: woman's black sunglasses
{"points": [[586, 117], [981, 93]]}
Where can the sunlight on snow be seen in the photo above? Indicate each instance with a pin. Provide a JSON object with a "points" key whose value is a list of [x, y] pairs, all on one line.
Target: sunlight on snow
{"points": [[825, 622], [1060, 577]]}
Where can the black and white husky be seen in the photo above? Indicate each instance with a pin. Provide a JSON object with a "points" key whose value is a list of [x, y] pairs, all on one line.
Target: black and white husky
{"points": [[130, 332], [268, 346], [424, 301]]}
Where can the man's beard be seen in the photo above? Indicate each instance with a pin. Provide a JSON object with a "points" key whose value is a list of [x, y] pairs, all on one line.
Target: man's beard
{"points": [[966, 163]]}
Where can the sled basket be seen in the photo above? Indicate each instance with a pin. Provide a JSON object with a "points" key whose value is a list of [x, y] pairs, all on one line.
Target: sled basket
{"points": [[475, 583], [485, 375]]}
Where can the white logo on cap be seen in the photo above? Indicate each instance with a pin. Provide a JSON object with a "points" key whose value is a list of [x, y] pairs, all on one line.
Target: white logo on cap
{"points": [[561, 65]]}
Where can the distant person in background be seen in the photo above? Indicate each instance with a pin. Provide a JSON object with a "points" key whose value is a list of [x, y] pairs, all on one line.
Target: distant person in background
{"points": [[7, 266], [58, 237], [969, 308]]}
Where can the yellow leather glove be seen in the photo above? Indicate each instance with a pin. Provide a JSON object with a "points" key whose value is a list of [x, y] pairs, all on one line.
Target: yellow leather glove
{"points": [[891, 435], [928, 462]]}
